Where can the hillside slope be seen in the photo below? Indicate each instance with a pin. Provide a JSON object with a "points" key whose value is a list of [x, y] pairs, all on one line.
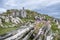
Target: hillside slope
{"points": [[31, 17]]}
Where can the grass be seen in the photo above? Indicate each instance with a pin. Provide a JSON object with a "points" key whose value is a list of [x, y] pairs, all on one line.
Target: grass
{"points": [[5, 30], [26, 20], [8, 29], [37, 27], [54, 27]]}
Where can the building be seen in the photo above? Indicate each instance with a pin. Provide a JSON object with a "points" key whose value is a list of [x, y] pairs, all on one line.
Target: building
{"points": [[23, 13], [16, 13], [20, 13]]}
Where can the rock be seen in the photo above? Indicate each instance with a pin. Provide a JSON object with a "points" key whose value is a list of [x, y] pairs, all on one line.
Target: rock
{"points": [[58, 26], [0, 21], [3, 17], [11, 19], [49, 37], [19, 19], [2, 26], [7, 19], [57, 22], [15, 20]]}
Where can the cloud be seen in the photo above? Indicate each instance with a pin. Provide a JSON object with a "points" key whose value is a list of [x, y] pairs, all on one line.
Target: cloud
{"points": [[52, 10], [43, 6], [30, 4], [2, 10], [11, 3]]}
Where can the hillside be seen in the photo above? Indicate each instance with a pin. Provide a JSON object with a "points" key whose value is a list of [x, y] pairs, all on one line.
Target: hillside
{"points": [[6, 25]]}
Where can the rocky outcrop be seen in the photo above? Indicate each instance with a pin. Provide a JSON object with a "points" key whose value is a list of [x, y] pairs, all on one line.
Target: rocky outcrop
{"points": [[6, 22]]}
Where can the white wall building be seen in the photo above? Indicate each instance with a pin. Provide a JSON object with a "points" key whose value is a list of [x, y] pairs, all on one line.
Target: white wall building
{"points": [[22, 13]]}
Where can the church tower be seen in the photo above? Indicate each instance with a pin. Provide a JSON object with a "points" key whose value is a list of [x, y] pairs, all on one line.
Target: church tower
{"points": [[23, 13]]}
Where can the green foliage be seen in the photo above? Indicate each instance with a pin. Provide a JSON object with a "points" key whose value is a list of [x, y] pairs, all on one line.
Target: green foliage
{"points": [[5, 30], [48, 17], [8, 29], [8, 12], [54, 27]]}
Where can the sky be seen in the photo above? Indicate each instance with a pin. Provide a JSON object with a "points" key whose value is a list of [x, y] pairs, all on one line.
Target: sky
{"points": [[50, 7]]}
